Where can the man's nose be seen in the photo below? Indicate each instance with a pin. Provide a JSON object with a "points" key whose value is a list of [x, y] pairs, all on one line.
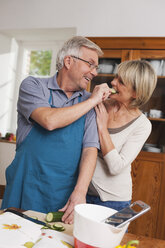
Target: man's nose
{"points": [[94, 72]]}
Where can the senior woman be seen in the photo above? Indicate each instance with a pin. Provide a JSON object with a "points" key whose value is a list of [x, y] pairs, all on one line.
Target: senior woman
{"points": [[123, 129]]}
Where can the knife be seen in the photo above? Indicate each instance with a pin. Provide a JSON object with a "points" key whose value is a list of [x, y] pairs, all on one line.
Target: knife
{"points": [[25, 216]]}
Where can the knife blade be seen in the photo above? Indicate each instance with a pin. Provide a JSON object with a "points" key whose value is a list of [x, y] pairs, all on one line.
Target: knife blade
{"points": [[25, 216]]}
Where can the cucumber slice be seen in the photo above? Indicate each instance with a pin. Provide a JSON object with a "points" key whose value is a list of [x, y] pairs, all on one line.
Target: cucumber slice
{"points": [[45, 227], [113, 91], [48, 226], [58, 227], [54, 216]]}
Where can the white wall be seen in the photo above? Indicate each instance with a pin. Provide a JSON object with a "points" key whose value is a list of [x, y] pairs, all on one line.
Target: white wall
{"points": [[90, 17], [8, 58], [62, 19], [7, 153], [13, 47]]}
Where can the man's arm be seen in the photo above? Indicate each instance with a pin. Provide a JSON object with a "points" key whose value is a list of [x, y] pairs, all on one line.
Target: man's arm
{"points": [[87, 166], [52, 118]]}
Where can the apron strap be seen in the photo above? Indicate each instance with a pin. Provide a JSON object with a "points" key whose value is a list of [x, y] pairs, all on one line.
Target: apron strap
{"points": [[51, 97]]}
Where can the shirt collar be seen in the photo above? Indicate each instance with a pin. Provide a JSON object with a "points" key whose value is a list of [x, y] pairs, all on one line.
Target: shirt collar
{"points": [[52, 84]]}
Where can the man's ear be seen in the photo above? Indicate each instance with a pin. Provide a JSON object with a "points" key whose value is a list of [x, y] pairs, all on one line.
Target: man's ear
{"points": [[67, 61]]}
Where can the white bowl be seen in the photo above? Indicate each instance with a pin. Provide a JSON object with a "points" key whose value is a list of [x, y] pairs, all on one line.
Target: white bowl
{"points": [[89, 231]]}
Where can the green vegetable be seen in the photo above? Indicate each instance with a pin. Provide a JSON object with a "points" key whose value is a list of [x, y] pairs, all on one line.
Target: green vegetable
{"points": [[128, 245], [45, 227], [54, 216], [58, 227], [113, 91]]}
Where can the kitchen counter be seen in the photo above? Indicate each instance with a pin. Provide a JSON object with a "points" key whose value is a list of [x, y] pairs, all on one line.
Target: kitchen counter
{"points": [[7, 141], [145, 242]]}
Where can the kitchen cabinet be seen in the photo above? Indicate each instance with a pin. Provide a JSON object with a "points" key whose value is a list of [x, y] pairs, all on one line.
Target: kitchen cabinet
{"points": [[120, 49], [148, 175], [148, 169]]}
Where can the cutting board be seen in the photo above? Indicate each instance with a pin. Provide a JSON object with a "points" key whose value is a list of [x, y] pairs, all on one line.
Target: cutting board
{"points": [[41, 216]]}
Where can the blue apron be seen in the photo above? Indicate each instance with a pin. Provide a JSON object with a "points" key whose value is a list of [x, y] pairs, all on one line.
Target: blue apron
{"points": [[44, 171]]}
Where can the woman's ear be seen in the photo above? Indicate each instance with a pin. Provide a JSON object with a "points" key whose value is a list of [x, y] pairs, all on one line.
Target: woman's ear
{"points": [[134, 94]]}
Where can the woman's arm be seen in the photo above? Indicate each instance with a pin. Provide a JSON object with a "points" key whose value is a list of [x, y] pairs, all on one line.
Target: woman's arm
{"points": [[118, 160], [131, 144], [102, 123]]}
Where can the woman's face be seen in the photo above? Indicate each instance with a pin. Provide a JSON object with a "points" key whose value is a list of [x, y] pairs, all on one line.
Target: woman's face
{"points": [[125, 93]]}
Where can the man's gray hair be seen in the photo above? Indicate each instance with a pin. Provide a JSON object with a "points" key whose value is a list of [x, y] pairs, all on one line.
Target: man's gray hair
{"points": [[72, 47]]}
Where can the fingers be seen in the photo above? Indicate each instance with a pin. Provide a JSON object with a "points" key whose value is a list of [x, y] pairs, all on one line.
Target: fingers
{"points": [[100, 108], [75, 198], [64, 208], [97, 109], [106, 89], [67, 218], [105, 95], [101, 92]]}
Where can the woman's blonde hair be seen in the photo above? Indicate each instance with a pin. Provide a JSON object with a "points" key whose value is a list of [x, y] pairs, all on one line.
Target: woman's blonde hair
{"points": [[141, 76]]}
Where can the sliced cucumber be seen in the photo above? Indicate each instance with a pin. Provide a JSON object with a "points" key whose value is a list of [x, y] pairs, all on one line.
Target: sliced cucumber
{"points": [[45, 227], [113, 91], [54, 216], [48, 226], [58, 227]]}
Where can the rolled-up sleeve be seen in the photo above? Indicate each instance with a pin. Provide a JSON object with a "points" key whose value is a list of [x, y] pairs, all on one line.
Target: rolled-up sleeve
{"points": [[31, 97], [91, 138]]}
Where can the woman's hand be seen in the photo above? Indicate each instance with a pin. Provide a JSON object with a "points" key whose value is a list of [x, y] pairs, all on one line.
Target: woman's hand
{"points": [[102, 116], [102, 123]]}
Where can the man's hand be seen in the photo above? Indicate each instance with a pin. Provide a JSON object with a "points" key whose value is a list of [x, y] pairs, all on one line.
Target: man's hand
{"points": [[75, 198], [100, 93]]}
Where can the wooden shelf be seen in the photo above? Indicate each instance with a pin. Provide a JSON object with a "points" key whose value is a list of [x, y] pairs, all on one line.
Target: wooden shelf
{"points": [[105, 75], [7, 141], [161, 77], [156, 119], [113, 75]]}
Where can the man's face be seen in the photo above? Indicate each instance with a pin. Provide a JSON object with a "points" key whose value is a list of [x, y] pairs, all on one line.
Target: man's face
{"points": [[81, 72]]}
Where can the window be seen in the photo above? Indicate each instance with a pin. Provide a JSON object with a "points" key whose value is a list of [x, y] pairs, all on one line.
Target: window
{"points": [[39, 63]]}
